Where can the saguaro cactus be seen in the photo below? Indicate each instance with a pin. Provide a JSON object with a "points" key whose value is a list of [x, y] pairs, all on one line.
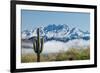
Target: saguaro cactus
{"points": [[38, 45]]}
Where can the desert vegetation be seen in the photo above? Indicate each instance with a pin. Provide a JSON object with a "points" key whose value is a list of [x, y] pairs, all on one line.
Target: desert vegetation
{"points": [[71, 54]]}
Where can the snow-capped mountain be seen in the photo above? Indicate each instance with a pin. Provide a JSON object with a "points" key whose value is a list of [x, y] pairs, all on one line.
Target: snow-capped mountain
{"points": [[60, 32]]}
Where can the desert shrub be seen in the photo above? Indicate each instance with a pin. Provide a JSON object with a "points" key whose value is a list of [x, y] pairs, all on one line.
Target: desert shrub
{"points": [[28, 58], [61, 57], [84, 54], [70, 54], [78, 54]]}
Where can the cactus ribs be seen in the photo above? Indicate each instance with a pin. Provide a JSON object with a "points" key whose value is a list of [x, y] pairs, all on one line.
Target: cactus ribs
{"points": [[38, 45]]}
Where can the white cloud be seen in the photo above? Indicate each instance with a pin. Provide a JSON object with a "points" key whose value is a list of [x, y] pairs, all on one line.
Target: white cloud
{"points": [[56, 46]]}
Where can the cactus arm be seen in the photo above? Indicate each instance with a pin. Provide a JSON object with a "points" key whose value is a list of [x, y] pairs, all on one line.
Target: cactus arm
{"points": [[42, 42], [37, 47], [34, 46]]}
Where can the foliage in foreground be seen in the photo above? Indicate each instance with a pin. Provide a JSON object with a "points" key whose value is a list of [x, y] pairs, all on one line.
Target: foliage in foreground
{"points": [[71, 54]]}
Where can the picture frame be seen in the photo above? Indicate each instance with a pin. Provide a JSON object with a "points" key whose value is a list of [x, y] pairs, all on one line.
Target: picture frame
{"points": [[30, 8]]}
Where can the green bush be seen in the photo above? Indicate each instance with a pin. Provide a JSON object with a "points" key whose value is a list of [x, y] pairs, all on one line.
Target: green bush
{"points": [[78, 54]]}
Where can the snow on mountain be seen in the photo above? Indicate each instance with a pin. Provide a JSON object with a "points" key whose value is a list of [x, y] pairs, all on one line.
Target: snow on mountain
{"points": [[60, 32], [25, 34], [57, 38], [56, 31]]}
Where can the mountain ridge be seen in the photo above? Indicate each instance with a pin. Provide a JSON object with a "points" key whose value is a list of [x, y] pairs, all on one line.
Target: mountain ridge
{"points": [[60, 32]]}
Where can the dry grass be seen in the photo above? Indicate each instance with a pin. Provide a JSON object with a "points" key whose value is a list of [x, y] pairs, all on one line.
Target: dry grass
{"points": [[71, 54]]}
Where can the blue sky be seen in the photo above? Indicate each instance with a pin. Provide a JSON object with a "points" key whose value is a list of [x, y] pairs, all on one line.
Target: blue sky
{"points": [[31, 19]]}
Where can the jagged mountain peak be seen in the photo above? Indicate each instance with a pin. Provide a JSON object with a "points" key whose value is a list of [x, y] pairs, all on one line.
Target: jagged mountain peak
{"points": [[58, 32]]}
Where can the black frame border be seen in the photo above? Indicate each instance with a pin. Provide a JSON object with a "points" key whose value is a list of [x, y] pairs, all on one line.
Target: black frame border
{"points": [[13, 35]]}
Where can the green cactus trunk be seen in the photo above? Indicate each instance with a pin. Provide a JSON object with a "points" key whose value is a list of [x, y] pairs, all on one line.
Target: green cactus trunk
{"points": [[38, 45]]}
